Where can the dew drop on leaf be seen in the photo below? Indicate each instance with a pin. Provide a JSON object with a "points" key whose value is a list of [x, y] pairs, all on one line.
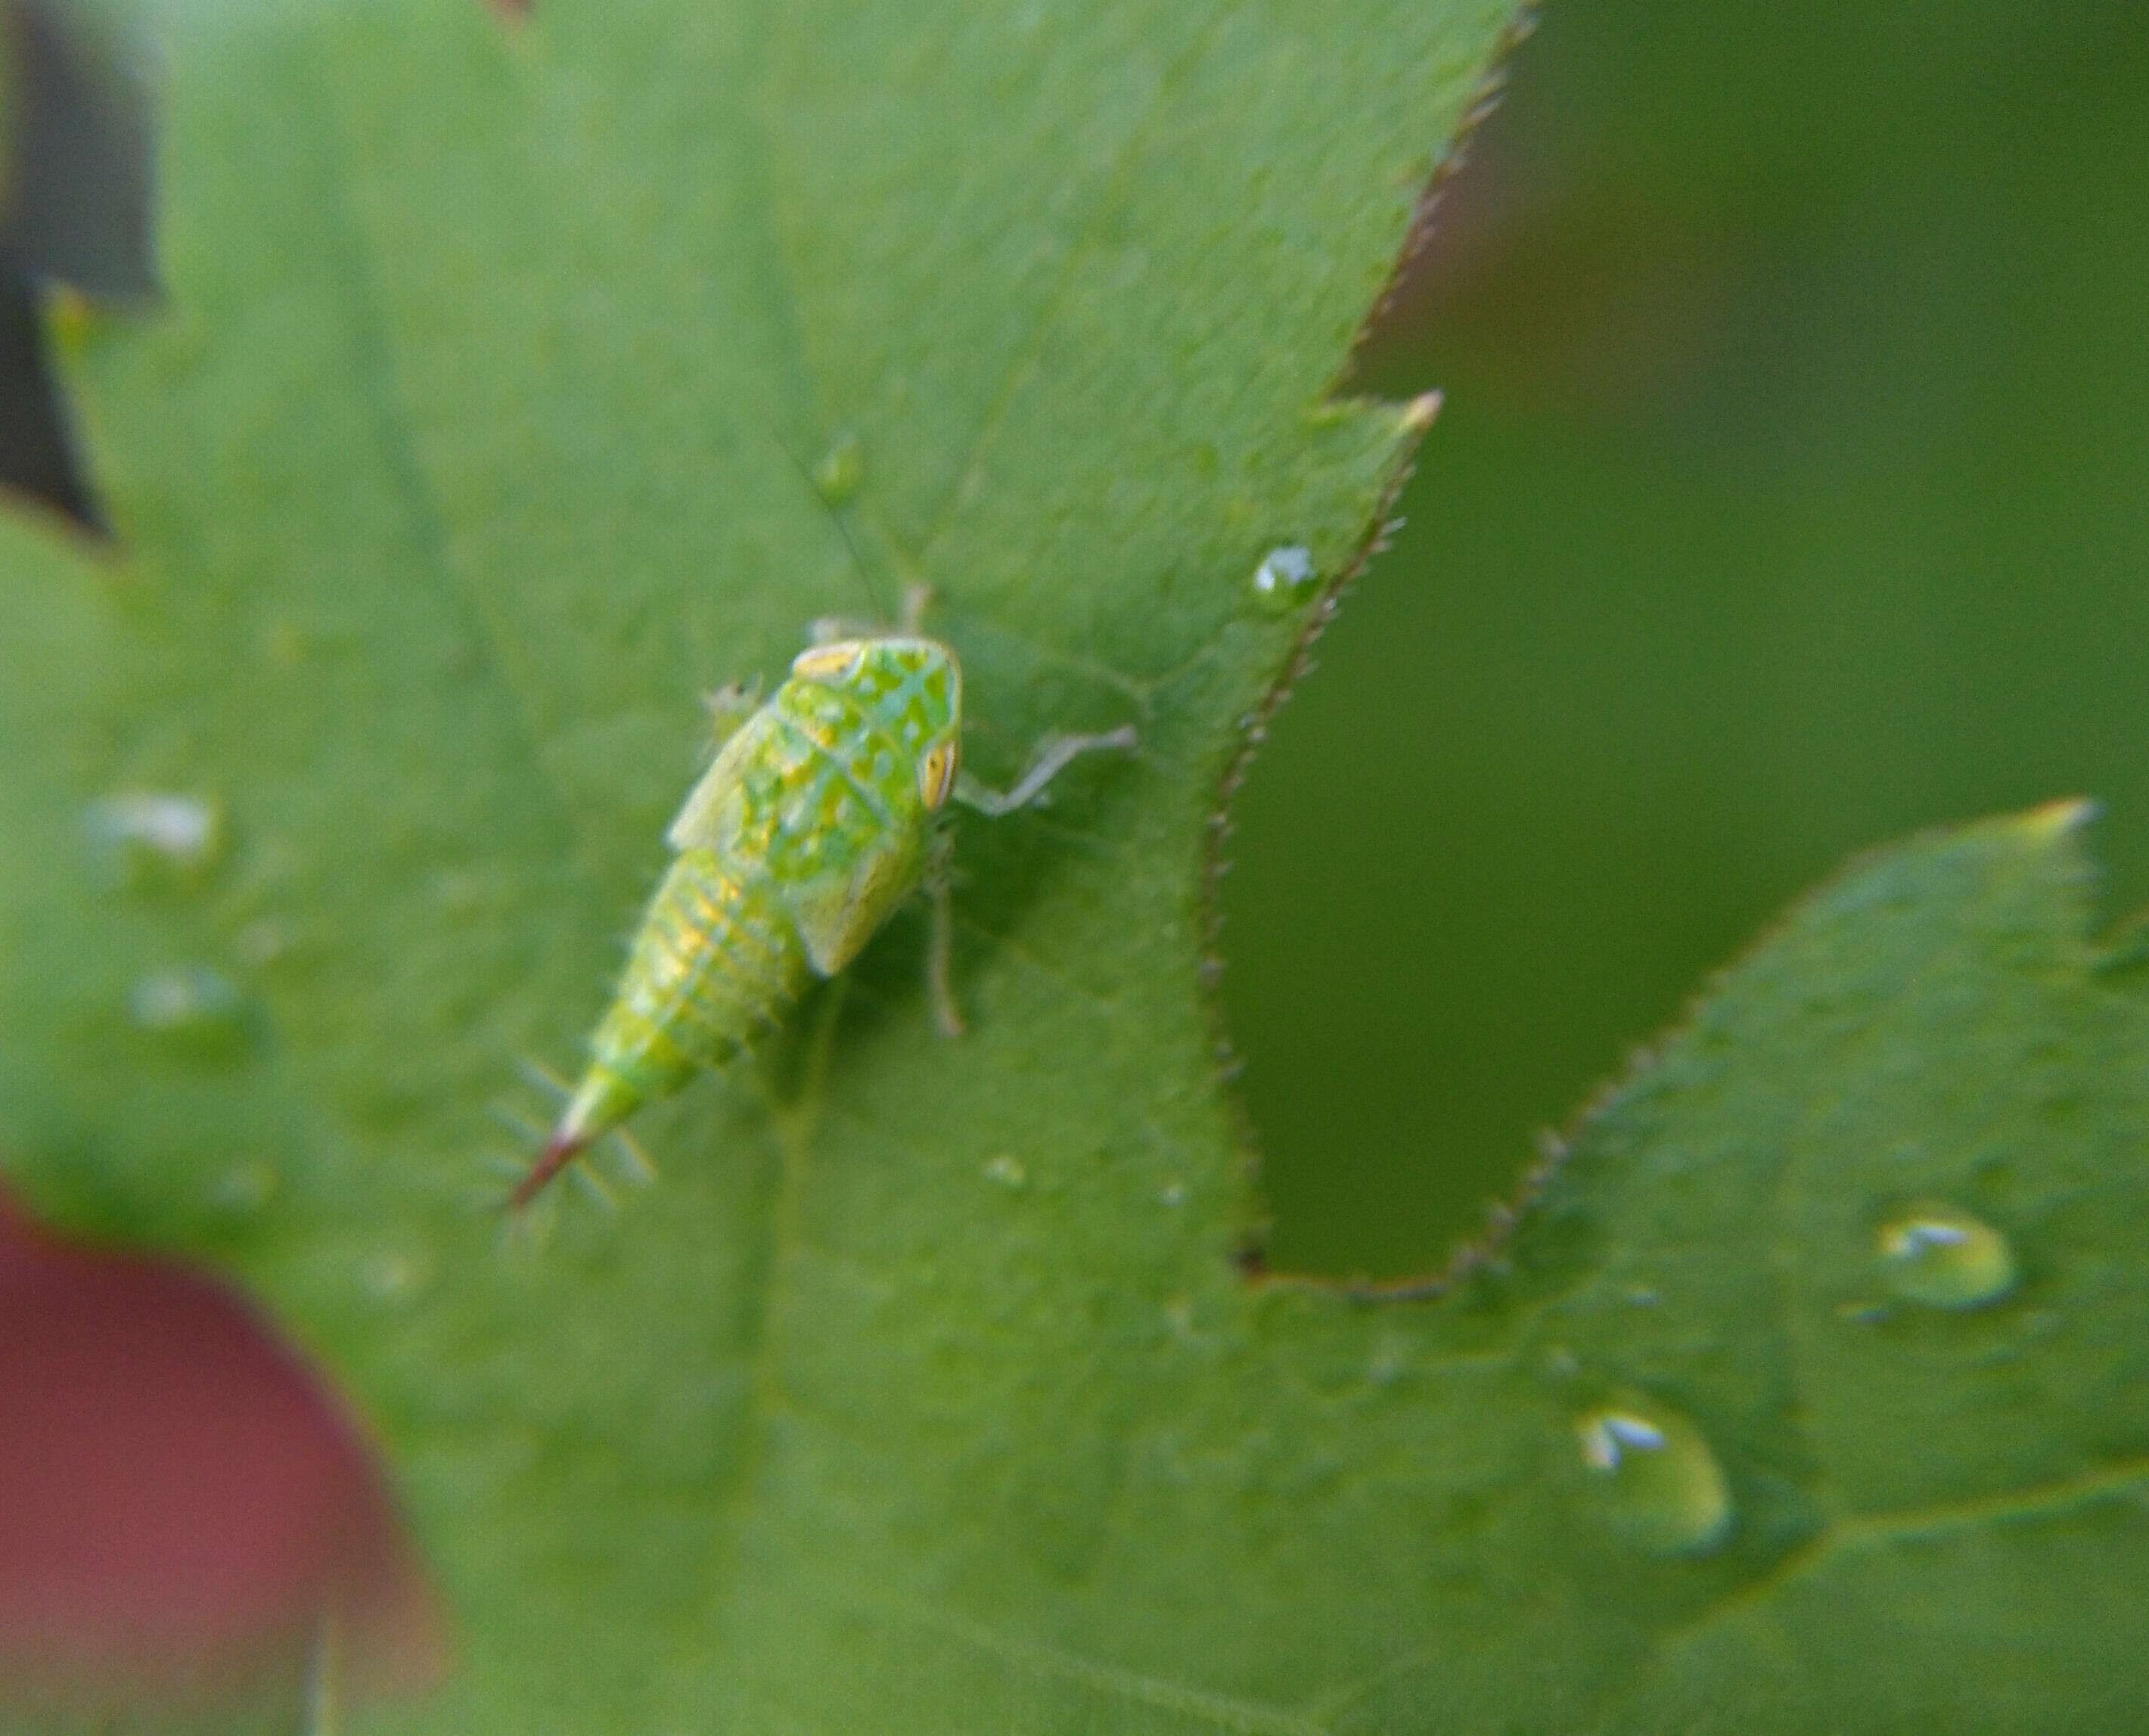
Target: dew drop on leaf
{"points": [[145, 837], [1942, 1256], [1285, 579], [1659, 1484], [195, 1010]]}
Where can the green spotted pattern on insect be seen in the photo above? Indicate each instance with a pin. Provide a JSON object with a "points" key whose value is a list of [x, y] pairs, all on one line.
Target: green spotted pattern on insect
{"points": [[816, 819]]}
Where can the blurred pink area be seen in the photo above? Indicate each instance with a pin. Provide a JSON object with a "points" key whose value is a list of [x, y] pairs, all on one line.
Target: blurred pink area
{"points": [[184, 1502]]}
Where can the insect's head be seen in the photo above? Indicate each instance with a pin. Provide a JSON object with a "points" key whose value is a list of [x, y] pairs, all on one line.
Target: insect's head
{"points": [[912, 688]]}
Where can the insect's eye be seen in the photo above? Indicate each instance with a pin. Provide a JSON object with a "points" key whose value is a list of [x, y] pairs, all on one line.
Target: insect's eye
{"points": [[936, 774]]}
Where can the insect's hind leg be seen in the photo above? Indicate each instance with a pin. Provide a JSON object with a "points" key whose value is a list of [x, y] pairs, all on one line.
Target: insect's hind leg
{"points": [[940, 951]]}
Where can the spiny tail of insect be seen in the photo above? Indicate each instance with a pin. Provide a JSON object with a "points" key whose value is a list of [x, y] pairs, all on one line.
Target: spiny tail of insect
{"points": [[560, 1150], [818, 817], [635, 1162]]}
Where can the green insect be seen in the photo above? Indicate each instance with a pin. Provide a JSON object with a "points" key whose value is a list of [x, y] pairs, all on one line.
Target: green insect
{"points": [[818, 818]]}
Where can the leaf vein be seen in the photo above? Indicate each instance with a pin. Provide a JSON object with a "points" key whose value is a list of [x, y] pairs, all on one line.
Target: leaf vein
{"points": [[1118, 185], [1222, 1712]]}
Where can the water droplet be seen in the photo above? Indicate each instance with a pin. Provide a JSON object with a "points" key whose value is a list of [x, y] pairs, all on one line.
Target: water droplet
{"points": [[1943, 1257], [1285, 579], [1662, 1487], [841, 469], [194, 1009], [1007, 1172], [148, 838], [1173, 1193]]}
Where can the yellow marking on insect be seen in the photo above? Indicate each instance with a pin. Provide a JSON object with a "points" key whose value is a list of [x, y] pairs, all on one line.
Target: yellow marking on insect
{"points": [[823, 660], [936, 774]]}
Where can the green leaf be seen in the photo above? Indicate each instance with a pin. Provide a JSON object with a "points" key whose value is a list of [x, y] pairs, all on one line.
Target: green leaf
{"points": [[923, 1393]]}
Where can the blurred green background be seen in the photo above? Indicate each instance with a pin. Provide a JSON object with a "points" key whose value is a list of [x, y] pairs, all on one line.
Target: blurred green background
{"points": [[1792, 494]]}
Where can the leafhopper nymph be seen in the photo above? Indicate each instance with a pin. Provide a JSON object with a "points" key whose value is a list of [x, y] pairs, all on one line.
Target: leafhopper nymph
{"points": [[818, 816]]}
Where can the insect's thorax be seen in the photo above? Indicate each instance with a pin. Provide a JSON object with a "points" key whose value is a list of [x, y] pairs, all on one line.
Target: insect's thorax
{"points": [[908, 688], [837, 778]]}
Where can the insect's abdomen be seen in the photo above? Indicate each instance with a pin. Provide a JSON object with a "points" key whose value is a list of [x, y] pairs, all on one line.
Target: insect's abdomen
{"points": [[715, 963]]}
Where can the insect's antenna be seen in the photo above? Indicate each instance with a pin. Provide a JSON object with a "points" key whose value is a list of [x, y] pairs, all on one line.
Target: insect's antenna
{"points": [[858, 561]]}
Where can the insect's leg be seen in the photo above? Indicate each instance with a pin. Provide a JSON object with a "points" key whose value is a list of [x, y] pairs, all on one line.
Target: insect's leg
{"points": [[939, 878], [828, 629], [729, 706], [1053, 754], [940, 886]]}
